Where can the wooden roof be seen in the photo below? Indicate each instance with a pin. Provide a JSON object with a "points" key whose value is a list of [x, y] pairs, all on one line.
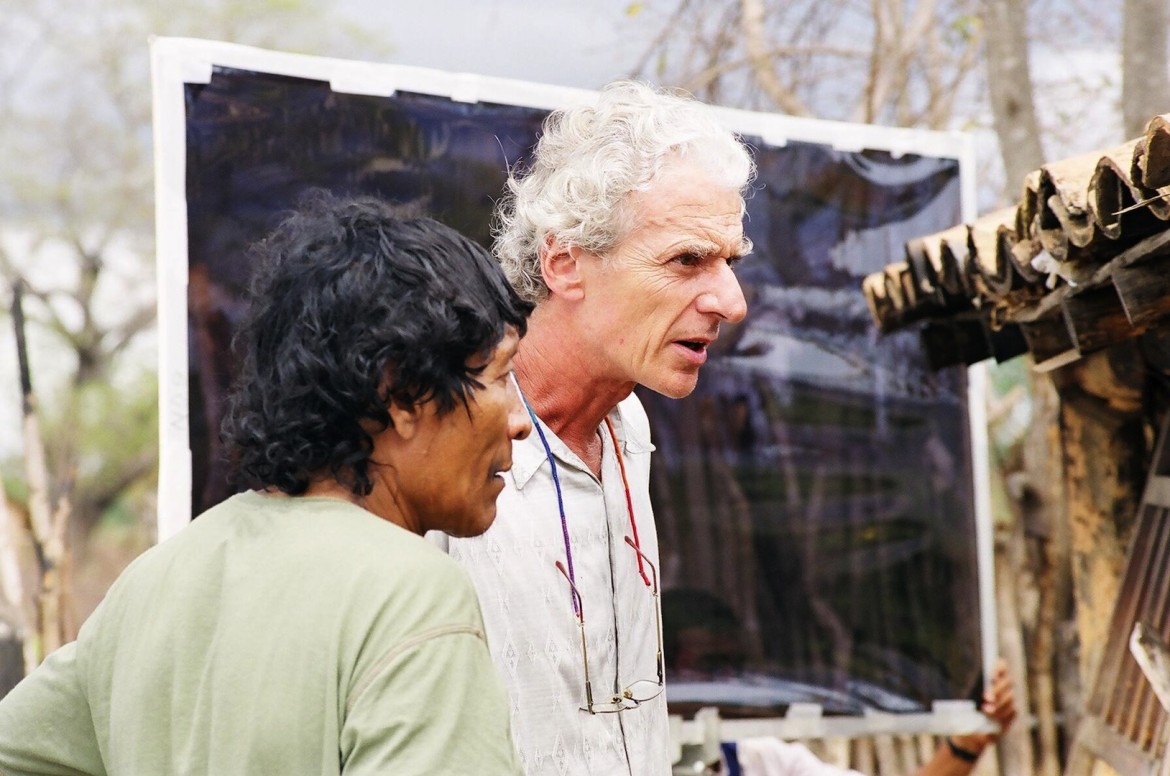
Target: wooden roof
{"points": [[1081, 262]]}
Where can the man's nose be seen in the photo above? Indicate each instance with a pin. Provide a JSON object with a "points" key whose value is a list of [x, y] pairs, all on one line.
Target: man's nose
{"points": [[519, 422], [724, 297]]}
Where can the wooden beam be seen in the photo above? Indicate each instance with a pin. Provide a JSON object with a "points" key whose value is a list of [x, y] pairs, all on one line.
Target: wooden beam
{"points": [[960, 341], [1096, 319], [1144, 290], [1050, 342], [1007, 342], [1095, 737]]}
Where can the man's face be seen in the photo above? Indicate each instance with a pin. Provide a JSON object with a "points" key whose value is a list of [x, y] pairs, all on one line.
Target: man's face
{"points": [[455, 475], [655, 301]]}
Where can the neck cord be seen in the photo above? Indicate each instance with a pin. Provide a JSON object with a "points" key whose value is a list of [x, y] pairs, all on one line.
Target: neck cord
{"points": [[561, 501], [629, 500]]}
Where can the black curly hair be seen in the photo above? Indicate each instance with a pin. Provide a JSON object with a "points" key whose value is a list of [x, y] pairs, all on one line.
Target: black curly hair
{"points": [[353, 306]]}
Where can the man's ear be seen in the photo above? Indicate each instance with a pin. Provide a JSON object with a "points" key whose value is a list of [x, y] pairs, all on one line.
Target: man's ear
{"points": [[560, 266], [404, 420]]}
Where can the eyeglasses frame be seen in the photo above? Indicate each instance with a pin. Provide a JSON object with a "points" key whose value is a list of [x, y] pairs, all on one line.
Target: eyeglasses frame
{"points": [[625, 701]]}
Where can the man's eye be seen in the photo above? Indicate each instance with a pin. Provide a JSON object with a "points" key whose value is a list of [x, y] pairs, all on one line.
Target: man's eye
{"points": [[688, 259]]}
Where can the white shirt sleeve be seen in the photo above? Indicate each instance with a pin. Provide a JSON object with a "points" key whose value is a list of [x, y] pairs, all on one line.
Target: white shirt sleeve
{"points": [[768, 756]]}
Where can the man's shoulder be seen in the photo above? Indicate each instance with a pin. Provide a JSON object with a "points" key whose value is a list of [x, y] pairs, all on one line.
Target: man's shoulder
{"points": [[333, 537]]}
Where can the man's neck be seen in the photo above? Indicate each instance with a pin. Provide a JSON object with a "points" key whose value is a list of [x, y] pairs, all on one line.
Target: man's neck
{"points": [[560, 382]]}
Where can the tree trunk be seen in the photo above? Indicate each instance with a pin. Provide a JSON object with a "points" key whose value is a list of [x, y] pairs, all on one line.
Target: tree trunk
{"points": [[1009, 84], [1145, 85], [1104, 453], [48, 525]]}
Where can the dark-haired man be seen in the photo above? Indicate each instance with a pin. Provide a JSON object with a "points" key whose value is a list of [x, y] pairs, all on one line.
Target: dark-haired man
{"points": [[306, 626]]}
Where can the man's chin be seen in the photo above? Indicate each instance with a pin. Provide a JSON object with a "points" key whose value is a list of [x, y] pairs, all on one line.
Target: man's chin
{"points": [[676, 387], [476, 527]]}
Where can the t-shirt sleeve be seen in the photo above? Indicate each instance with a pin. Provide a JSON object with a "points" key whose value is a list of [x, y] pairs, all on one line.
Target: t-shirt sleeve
{"points": [[433, 705], [45, 723]]}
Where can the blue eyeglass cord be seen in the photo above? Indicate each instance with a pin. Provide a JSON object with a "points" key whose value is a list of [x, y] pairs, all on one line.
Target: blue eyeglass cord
{"points": [[560, 501]]}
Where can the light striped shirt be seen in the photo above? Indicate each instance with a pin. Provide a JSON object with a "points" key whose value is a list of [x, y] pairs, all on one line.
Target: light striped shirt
{"points": [[528, 612]]}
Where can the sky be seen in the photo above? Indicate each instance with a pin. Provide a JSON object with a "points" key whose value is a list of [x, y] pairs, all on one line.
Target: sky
{"points": [[581, 43]]}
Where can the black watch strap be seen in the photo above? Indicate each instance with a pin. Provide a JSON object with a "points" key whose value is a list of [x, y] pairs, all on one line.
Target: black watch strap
{"points": [[966, 755]]}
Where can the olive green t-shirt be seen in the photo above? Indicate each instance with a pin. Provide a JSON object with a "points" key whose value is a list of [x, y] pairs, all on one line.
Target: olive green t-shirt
{"points": [[271, 636]]}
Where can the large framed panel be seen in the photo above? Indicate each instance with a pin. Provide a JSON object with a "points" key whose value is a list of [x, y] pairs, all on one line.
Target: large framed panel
{"points": [[821, 497]]}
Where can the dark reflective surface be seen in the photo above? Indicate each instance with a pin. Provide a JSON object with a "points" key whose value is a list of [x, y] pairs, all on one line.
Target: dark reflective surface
{"points": [[814, 494]]}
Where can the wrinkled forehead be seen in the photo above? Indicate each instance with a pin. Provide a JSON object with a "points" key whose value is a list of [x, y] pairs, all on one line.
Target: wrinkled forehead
{"points": [[687, 200]]}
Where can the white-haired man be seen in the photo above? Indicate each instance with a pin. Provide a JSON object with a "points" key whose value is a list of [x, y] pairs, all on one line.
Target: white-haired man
{"points": [[624, 230]]}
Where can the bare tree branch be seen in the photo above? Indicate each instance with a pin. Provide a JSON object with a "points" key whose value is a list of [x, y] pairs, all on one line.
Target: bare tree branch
{"points": [[752, 24]]}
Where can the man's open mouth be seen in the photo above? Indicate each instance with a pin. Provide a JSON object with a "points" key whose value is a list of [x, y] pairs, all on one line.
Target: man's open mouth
{"points": [[695, 345]]}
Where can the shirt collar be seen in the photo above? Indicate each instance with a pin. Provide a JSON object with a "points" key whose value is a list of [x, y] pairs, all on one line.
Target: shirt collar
{"points": [[528, 455]]}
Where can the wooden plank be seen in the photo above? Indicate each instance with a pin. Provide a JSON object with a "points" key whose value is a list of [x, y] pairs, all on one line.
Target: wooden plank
{"points": [[1047, 306], [863, 755], [1144, 290], [1150, 720], [888, 762], [1050, 342], [958, 717], [1056, 361], [1151, 247], [922, 272], [1007, 342], [836, 751], [926, 747], [1096, 319], [1157, 491], [1148, 249], [959, 341], [1155, 163], [1124, 723], [1119, 752], [1153, 657], [1112, 693], [907, 753]]}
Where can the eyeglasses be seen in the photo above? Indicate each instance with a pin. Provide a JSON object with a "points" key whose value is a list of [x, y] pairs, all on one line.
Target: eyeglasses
{"points": [[635, 693]]}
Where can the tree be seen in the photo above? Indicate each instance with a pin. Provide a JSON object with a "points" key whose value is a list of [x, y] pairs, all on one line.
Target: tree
{"points": [[76, 186], [1009, 88], [1145, 84]]}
